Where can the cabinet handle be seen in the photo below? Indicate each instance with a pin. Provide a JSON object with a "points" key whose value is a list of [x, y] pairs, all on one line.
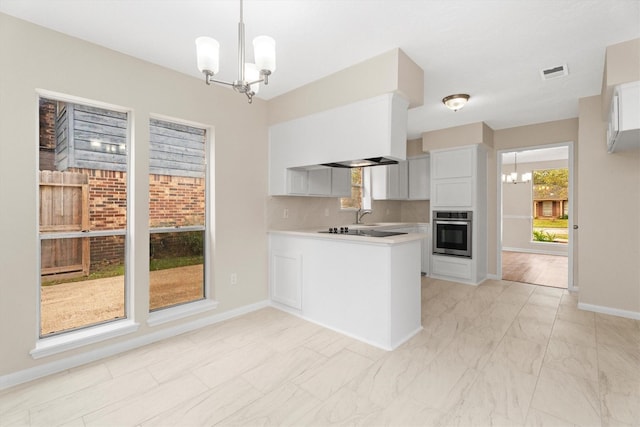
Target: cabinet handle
{"points": [[575, 227]]}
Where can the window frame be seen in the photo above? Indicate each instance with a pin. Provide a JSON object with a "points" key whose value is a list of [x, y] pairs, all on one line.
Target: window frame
{"points": [[78, 337], [208, 303]]}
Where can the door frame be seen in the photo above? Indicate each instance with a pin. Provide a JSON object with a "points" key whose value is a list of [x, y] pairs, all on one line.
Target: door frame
{"points": [[570, 249]]}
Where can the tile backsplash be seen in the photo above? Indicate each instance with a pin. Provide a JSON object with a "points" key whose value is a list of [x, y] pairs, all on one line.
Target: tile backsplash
{"points": [[320, 212]]}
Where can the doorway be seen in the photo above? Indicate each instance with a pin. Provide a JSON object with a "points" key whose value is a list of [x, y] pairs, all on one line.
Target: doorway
{"points": [[535, 206]]}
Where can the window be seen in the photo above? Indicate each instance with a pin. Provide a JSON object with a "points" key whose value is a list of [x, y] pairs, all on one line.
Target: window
{"points": [[83, 186], [355, 201], [177, 212]]}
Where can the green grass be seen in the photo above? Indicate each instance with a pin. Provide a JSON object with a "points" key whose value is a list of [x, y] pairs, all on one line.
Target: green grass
{"points": [[165, 263], [550, 223], [118, 269]]}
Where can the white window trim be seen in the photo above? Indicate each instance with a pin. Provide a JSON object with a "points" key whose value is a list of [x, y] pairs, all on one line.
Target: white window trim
{"points": [[169, 314], [82, 337]]}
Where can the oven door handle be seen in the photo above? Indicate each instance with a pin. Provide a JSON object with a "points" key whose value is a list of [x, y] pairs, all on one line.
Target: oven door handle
{"points": [[453, 222]]}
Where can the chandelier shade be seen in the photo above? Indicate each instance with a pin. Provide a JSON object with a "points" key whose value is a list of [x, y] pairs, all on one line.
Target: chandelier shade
{"points": [[208, 53], [264, 50]]}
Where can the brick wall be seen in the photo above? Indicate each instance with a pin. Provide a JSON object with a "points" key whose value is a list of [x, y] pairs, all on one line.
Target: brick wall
{"points": [[173, 201], [176, 200]]}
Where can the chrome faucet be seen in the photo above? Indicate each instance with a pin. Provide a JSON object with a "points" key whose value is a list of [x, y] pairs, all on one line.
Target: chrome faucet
{"points": [[360, 213]]}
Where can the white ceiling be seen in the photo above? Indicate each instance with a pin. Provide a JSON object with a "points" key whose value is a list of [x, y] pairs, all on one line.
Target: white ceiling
{"points": [[492, 49]]}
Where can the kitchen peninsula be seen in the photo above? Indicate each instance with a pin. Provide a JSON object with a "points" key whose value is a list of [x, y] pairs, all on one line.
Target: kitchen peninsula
{"points": [[363, 286]]}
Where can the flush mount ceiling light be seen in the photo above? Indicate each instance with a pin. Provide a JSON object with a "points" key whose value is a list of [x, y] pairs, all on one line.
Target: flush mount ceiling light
{"points": [[249, 75], [456, 102]]}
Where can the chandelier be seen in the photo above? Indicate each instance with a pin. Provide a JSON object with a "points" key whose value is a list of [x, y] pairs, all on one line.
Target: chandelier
{"points": [[249, 75], [512, 178]]}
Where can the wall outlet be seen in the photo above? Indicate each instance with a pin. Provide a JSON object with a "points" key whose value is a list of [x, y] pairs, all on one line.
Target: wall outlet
{"points": [[285, 213], [326, 211], [234, 279]]}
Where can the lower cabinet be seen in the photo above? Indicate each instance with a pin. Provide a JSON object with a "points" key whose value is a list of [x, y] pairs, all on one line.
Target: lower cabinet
{"points": [[286, 279], [449, 266]]}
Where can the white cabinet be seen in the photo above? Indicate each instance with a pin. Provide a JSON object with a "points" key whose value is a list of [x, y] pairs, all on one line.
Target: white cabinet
{"points": [[449, 266], [320, 182], [286, 279], [419, 178], [453, 177], [390, 182], [408, 180], [459, 183], [326, 182], [341, 182], [623, 132], [297, 181]]}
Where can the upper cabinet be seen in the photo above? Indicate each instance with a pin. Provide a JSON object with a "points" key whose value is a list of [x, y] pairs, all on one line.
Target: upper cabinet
{"points": [[375, 127], [389, 182], [457, 175], [408, 180], [623, 132], [321, 181], [419, 178]]}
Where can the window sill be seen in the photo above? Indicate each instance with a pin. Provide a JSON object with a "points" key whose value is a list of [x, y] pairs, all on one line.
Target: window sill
{"points": [[181, 311], [80, 338]]}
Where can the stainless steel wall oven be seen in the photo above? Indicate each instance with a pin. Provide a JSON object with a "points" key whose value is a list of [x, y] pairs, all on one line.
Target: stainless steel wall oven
{"points": [[452, 233]]}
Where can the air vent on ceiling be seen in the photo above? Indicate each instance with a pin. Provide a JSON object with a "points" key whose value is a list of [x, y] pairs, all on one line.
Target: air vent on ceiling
{"points": [[554, 72]]}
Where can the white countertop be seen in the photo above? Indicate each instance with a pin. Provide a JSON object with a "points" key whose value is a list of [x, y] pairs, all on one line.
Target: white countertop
{"points": [[314, 233]]}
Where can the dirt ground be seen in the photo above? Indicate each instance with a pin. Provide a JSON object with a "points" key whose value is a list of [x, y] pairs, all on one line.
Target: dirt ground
{"points": [[72, 305]]}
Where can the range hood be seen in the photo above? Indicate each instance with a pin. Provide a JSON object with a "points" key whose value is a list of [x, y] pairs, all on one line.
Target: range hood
{"points": [[361, 163]]}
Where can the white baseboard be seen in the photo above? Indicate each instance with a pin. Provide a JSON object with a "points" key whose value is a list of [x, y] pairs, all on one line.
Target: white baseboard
{"points": [[609, 310], [534, 251], [492, 277], [43, 370]]}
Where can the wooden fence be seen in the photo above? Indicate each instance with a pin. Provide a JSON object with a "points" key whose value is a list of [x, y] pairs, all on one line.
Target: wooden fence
{"points": [[64, 207]]}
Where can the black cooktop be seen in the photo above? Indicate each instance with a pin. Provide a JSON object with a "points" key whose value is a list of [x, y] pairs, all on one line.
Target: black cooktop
{"points": [[361, 232]]}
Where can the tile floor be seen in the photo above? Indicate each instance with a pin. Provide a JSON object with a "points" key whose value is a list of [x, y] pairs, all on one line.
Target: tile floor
{"points": [[502, 353]]}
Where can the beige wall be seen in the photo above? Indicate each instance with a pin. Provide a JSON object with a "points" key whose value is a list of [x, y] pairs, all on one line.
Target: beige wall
{"points": [[36, 58], [391, 71], [609, 257], [459, 136], [517, 211]]}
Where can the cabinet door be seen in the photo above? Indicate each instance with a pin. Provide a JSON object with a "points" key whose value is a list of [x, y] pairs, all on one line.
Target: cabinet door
{"points": [[341, 182], [390, 182], [320, 182], [286, 279], [452, 193], [419, 179], [398, 181], [456, 163], [379, 177], [297, 181]]}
